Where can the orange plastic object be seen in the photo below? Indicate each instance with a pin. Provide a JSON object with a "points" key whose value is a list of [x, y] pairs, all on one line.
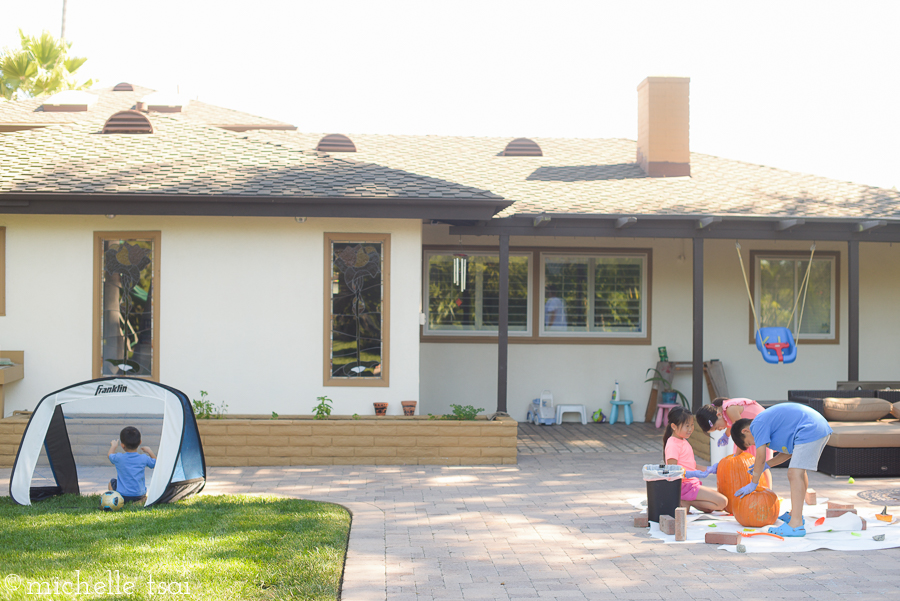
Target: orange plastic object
{"points": [[884, 518], [820, 521], [763, 534]]}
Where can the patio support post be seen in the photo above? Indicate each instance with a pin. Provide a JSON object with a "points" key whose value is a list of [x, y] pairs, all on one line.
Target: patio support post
{"points": [[503, 325], [697, 358], [853, 310]]}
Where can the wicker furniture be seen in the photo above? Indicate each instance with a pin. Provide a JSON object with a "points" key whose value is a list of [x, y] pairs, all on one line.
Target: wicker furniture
{"points": [[880, 456]]}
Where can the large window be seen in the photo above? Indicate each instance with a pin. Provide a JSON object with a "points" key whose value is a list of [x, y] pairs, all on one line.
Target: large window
{"points": [[777, 281], [463, 292], [575, 296], [357, 297], [126, 304], [593, 295]]}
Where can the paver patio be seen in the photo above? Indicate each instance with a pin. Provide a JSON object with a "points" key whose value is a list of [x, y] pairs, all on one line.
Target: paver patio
{"points": [[555, 526]]}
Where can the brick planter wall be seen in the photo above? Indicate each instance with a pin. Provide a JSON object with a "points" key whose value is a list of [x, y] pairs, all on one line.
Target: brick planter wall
{"points": [[11, 431], [366, 441]]}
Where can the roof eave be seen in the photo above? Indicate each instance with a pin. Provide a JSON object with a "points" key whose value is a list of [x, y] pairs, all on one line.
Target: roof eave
{"points": [[466, 209], [733, 227]]}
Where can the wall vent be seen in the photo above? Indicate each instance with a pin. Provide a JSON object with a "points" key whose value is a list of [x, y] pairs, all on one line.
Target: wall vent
{"points": [[336, 143], [128, 122], [123, 87], [522, 147]]}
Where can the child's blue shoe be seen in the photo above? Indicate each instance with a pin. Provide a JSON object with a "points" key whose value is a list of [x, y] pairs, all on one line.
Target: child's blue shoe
{"points": [[786, 517], [786, 530]]}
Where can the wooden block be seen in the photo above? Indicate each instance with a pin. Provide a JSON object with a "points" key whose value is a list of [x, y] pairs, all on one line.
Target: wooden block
{"points": [[833, 513], [641, 521], [810, 497], [863, 522], [680, 523], [667, 524], [833, 505], [723, 538]]}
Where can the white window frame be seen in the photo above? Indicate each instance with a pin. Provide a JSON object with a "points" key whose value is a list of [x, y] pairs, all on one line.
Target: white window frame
{"points": [[645, 318], [832, 258], [426, 280]]}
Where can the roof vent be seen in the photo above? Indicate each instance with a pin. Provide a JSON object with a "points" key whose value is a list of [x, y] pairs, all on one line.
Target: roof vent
{"points": [[69, 101], [522, 147], [162, 102], [123, 87], [128, 122], [336, 143]]}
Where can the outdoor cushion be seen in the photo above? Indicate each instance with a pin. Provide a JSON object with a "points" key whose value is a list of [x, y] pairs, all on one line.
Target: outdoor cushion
{"points": [[865, 435], [895, 409], [855, 409]]}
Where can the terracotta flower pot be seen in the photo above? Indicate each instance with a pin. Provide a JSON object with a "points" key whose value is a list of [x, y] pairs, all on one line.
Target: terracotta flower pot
{"points": [[380, 408], [409, 407]]}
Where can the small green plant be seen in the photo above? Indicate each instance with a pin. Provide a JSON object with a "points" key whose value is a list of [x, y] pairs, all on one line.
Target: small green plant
{"points": [[460, 413], [323, 409], [667, 386], [274, 415], [206, 409], [356, 416]]}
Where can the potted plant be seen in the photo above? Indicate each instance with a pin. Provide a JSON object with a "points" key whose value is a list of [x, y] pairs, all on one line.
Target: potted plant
{"points": [[669, 394]]}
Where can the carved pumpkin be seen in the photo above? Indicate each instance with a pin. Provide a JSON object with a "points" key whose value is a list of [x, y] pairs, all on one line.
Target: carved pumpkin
{"points": [[759, 508], [732, 474]]}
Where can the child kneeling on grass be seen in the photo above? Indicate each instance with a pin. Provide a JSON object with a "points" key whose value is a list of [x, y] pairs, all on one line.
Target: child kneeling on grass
{"points": [[678, 451], [129, 481], [798, 433]]}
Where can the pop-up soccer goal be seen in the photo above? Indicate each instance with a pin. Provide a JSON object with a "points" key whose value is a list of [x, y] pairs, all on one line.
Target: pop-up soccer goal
{"points": [[161, 412]]}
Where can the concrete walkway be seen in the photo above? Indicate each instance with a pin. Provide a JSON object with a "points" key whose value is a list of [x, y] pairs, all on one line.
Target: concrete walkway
{"points": [[555, 526]]}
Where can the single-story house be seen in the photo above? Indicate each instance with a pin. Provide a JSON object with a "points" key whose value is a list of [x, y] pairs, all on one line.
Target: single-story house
{"points": [[212, 250]]}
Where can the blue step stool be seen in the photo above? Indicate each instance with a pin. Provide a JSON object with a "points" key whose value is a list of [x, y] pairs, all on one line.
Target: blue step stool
{"points": [[626, 409]]}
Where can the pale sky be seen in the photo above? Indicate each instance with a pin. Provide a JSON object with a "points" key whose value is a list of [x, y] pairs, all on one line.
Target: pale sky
{"points": [[805, 86]]}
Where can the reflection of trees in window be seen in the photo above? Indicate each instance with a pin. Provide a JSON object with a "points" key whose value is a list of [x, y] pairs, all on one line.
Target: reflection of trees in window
{"points": [[127, 328], [356, 309], [601, 294], [477, 308], [779, 283]]}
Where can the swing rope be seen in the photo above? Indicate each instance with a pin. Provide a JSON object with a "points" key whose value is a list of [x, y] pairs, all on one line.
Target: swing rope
{"points": [[804, 288]]}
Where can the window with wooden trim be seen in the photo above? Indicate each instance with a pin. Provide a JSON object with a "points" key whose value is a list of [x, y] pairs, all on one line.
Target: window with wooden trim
{"points": [[593, 295], [463, 292], [357, 309], [777, 279], [2, 271], [126, 304]]}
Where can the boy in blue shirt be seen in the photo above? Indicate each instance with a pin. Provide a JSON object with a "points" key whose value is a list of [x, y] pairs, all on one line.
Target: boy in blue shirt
{"points": [[129, 480], [796, 432]]}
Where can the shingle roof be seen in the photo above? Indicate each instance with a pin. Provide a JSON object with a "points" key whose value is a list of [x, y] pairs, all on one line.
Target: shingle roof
{"points": [[29, 111], [599, 176], [182, 158]]}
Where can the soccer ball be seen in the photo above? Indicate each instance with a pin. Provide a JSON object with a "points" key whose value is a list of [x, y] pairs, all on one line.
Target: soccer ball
{"points": [[111, 501]]}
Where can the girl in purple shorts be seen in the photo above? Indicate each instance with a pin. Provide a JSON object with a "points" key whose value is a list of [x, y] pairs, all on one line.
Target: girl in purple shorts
{"points": [[678, 451]]}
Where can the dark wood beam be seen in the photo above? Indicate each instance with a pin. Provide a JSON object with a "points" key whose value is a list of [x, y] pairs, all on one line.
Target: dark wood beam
{"points": [[503, 326], [659, 227], [697, 354], [853, 310]]}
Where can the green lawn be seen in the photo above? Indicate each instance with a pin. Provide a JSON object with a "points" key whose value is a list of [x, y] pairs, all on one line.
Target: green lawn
{"points": [[208, 547]]}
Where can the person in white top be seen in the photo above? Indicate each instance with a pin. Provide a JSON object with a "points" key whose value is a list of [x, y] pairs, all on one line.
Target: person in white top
{"points": [[554, 311]]}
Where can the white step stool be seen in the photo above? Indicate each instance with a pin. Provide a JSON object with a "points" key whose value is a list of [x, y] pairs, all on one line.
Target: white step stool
{"points": [[560, 409]]}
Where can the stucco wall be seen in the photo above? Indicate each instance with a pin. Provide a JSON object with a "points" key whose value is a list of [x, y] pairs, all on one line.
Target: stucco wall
{"points": [[241, 308], [586, 374]]}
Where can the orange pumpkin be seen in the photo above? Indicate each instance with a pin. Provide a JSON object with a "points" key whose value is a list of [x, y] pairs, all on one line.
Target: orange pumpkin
{"points": [[757, 509], [732, 475]]}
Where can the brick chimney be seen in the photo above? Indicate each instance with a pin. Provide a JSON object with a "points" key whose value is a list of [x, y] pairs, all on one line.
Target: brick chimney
{"points": [[663, 126]]}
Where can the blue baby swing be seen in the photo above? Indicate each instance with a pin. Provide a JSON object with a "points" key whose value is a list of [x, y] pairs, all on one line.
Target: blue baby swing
{"points": [[776, 343]]}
